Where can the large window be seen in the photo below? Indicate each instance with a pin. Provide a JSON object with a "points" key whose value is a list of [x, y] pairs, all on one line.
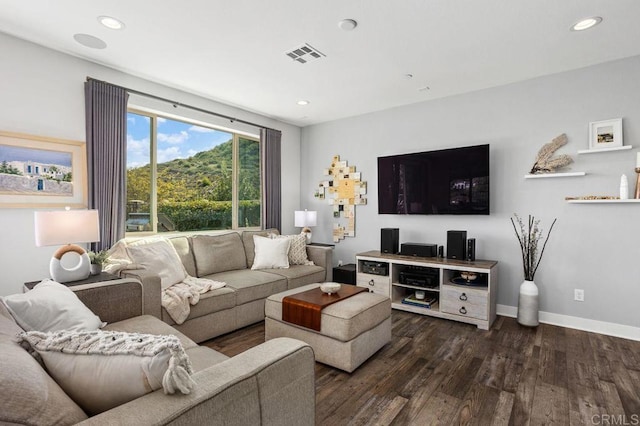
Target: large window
{"points": [[187, 177]]}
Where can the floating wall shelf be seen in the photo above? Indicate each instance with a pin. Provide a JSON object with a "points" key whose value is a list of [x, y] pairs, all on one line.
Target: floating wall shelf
{"points": [[554, 175], [595, 151], [629, 201]]}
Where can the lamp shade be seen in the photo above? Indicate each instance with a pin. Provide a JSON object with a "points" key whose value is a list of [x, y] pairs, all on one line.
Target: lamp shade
{"points": [[305, 218], [67, 226]]}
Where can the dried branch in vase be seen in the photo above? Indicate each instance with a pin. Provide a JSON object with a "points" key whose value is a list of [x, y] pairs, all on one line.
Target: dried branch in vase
{"points": [[546, 162]]}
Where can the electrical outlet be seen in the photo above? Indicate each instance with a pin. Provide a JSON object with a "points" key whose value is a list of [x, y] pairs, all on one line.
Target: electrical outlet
{"points": [[578, 294], [339, 262]]}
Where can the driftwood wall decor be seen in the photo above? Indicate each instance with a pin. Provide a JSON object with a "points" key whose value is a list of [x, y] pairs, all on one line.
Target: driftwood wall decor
{"points": [[344, 190]]}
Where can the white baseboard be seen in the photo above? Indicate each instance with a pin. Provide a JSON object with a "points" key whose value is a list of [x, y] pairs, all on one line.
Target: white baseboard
{"points": [[608, 328]]}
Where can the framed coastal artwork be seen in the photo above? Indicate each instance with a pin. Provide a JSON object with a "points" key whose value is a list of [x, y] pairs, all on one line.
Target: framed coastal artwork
{"points": [[605, 134], [37, 171]]}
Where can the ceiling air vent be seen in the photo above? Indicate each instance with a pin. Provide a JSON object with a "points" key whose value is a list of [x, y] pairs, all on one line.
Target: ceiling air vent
{"points": [[305, 53]]}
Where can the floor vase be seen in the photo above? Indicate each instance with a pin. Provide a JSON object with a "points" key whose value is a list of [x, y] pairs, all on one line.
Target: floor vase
{"points": [[528, 304]]}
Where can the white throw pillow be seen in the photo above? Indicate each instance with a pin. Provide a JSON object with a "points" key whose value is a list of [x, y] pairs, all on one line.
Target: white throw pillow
{"points": [[51, 306], [297, 250], [160, 257], [270, 253], [100, 370]]}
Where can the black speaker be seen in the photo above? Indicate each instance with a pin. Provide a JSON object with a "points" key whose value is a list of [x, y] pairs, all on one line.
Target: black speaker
{"points": [[456, 245], [418, 250], [389, 238], [471, 249], [440, 252]]}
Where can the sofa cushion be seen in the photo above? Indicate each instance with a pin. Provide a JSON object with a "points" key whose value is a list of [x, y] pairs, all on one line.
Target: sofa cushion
{"points": [[247, 242], [148, 324], [183, 248], [103, 369], [218, 253], [251, 285], [299, 275], [210, 302], [8, 325], [30, 396], [51, 306], [161, 257], [271, 253]]}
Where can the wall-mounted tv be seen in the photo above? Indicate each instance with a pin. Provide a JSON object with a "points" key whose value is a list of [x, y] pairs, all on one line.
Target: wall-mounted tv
{"points": [[447, 181]]}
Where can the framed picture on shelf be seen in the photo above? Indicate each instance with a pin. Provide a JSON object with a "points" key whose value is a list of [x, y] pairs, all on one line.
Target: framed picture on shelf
{"points": [[37, 171], [605, 134]]}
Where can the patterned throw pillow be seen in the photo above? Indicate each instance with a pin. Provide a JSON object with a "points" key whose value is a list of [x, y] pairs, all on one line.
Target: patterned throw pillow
{"points": [[297, 250], [100, 370]]}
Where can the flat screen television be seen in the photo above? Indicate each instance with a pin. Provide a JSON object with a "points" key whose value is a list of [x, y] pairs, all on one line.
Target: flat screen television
{"points": [[447, 181]]}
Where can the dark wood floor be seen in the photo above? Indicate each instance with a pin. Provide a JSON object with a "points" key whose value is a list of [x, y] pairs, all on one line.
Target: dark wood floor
{"points": [[436, 371]]}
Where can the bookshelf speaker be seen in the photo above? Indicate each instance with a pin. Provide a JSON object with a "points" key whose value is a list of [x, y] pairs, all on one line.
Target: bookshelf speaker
{"points": [[389, 238], [456, 245], [471, 249]]}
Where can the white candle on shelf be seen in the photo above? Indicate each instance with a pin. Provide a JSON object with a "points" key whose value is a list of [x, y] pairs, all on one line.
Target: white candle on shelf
{"points": [[638, 161]]}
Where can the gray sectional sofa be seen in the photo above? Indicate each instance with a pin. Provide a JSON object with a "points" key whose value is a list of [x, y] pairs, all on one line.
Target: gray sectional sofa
{"points": [[270, 384], [228, 258]]}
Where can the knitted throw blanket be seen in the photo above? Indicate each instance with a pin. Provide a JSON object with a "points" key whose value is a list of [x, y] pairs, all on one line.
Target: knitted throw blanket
{"points": [[176, 299], [176, 378]]}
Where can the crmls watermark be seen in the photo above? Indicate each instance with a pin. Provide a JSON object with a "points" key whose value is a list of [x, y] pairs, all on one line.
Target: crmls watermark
{"points": [[616, 419]]}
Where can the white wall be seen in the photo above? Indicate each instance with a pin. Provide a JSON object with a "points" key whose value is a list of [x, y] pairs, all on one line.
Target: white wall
{"points": [[42, 93], [593, 247]]}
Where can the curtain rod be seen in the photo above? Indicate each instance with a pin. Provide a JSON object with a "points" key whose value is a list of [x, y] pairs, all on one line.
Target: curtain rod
{"points": [[177, 104]]}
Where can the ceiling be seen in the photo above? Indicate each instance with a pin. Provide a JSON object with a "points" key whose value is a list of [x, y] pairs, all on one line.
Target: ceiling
{"points": [[233, 51]]}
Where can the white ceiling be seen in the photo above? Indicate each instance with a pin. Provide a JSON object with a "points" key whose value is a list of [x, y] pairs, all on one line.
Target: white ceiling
{"points": [[233, 51]]}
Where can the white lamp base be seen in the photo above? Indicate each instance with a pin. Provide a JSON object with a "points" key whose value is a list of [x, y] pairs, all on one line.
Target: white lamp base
{"points": [[80, 271]]}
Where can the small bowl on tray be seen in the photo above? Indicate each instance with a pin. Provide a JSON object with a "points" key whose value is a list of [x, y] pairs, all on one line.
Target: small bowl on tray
{"points": [[330, 288]]}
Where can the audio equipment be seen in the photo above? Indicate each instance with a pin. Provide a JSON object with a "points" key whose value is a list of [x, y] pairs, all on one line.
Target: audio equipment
{"points": [[456, 245], [389, 238], [471, 249], [419, 250], [375, 268], [426, 278], [440, 252]]}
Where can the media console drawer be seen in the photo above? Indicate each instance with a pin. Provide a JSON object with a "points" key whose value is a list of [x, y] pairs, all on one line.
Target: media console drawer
{"points": [[467, 302], [378, 284]]}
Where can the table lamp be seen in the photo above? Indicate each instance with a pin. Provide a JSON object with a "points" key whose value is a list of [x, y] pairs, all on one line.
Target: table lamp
{"points": [[67, 227], [305, 219]]}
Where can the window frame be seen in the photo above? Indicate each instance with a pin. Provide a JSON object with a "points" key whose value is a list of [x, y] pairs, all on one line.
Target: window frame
{"points": [[235, 172]]}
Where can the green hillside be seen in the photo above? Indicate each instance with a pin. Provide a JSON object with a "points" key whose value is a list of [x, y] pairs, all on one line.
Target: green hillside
{"points": [[196, 192]]}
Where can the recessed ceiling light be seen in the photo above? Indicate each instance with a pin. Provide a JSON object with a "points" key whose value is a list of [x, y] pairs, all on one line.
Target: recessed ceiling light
{"points": [[111, 23], [348, 24], [89, 41], [303, 102], [587, 23]]}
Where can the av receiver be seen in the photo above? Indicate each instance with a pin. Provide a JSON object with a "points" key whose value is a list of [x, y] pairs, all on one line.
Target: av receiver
{"points": [[375, 268], [422, 277]]}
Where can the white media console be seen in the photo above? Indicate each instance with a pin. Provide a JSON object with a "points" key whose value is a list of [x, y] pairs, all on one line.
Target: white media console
{"points": [[456, 298]]}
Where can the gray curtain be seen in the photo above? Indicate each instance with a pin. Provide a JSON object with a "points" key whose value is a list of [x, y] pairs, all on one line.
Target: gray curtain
{"points": [[106, 125], [271, 179]]}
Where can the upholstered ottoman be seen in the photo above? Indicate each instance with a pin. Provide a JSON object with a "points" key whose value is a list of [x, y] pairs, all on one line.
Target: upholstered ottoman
{"points": [[351, 330]]}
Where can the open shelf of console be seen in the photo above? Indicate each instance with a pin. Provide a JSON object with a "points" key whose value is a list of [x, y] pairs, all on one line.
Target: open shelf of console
{"points": [[447, 294]]}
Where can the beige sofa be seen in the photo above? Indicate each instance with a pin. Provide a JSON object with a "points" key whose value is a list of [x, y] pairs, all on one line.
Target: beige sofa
{"points": [[271, 384], [228, 258]]}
